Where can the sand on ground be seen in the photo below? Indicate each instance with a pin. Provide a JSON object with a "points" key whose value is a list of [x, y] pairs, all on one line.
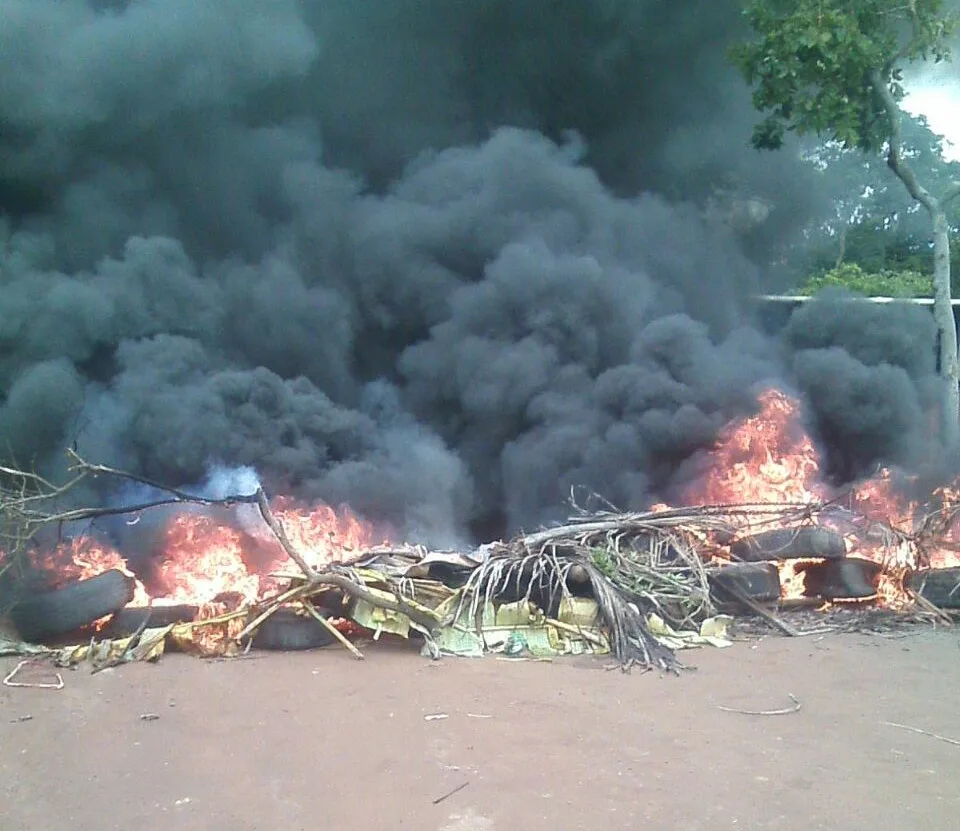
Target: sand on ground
{"points": [[319, 740]]}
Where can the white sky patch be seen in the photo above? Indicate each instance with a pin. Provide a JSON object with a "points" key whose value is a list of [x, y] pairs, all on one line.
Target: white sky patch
{"points": [[936, 94]]}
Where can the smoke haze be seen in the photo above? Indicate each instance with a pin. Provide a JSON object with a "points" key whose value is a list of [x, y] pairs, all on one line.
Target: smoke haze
{"points": [[437, 259]]}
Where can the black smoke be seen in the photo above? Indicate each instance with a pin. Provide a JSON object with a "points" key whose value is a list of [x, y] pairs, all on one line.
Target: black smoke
{"points": [[440, 259]]}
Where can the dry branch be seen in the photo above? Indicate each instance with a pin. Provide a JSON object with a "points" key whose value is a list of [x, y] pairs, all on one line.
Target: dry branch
{"points": [[333, 630], [332, 576], [920, 732], [782, 712]]}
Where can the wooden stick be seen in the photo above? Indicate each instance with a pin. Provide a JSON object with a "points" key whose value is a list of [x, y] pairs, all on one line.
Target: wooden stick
{"points": [[930, 607], [332, 578], [783, 712], [946, 739], [751, 604], [347, 644], [281, 535], [348, 586], [579, 632], [276, 604], [448, 794]]}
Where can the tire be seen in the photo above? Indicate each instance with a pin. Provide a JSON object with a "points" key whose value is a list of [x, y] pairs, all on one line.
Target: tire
{"points": [[757, 581], [790, 544], [941, 586], [287, 631], [73, 606], [852, 578], [127, 621]]}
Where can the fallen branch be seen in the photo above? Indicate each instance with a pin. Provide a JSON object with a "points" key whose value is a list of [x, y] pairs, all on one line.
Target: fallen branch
{"points": [[448, 794], [579, 631], [929, 607], [946, 739], [331, 577], [274, 524], [784, 712], [277, 602], [755, 607], [357, 592], [344, 641]]}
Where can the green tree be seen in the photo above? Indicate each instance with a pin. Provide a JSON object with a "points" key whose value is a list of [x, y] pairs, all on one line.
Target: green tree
{"points": [[883, 283], [873, 222], [834, 69]]}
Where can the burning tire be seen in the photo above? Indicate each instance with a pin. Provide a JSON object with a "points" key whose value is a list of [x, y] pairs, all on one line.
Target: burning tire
{"points": [[73, 606], [852, 578], [941, 586], [756, 581], [790, 544], [127, 621], [287, 631]]}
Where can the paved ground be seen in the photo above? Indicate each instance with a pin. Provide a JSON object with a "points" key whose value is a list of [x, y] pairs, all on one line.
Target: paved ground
{"points": [[318, 740]]}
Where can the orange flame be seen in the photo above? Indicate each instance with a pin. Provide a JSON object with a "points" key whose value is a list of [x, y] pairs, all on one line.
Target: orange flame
{"points": [[769, 458], [765, 458], [202, 561], [323, 534], [82, 558]]}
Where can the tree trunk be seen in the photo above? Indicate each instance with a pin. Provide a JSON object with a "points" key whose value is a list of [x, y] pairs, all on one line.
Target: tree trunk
{"points": [[943, 314], [843, 247]]}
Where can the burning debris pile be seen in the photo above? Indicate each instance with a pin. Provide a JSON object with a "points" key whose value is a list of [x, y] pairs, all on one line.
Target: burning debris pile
{"points": [[765, 533]]}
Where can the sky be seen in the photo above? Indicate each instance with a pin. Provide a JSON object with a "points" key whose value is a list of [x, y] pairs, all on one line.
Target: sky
{"points": [[937, 96]]}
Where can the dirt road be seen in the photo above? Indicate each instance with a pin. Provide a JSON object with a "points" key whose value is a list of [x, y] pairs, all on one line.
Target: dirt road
{"points": [[320, 741]]}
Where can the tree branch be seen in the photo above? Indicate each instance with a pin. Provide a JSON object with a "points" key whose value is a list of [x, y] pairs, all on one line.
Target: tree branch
{"points": [[950, 194], [895, 161]]}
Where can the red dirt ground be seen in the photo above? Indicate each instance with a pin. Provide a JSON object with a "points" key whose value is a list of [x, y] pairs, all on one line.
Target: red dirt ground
{"points": [[318, 740]]}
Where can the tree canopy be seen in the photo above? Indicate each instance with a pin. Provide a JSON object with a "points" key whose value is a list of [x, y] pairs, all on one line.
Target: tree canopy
{"points": [[873, 221], [811, 65], [835, 69]]}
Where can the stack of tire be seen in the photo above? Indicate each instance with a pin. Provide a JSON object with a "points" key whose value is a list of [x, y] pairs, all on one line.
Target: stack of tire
{"points": [[56, 615], [829, 573]]}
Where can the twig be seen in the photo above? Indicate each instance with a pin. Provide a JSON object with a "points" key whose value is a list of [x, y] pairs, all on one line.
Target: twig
{"points": [[930, 607], [132, 644], [946, 739], [357, 592], [9, 682], [281, 535], [784, 712], [448, 794], [751, 604], [333, 630], [596, 640], [276, 604], [180, 496]]}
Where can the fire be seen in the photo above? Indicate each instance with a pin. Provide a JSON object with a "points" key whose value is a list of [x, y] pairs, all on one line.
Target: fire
{"points": [[81, 558], [199, 559], [202, 559], [767, 457], [324, 535]]}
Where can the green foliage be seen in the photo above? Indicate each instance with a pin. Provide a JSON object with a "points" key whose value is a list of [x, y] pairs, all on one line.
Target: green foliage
{"points": [[873, 221], [884, 283], [810, 62]]}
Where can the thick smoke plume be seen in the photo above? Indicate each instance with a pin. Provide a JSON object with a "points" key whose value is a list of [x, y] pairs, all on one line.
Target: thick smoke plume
{"points": [[439, 260]]}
